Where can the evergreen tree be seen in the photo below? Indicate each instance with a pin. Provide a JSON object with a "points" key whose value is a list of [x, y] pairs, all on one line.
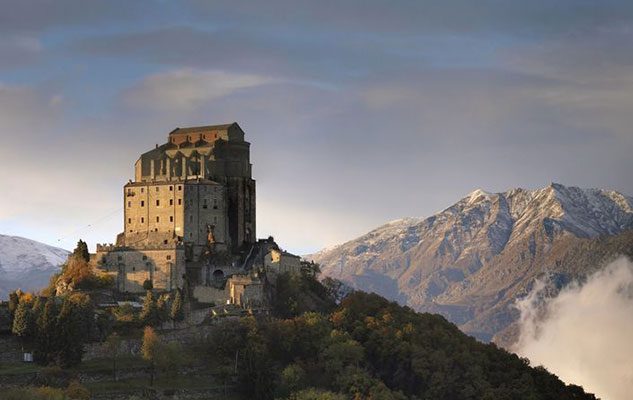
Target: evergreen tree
{"points": [[46, 332], [81, 251], [177, 311], [14, 300], [74, 325], [150, 315], [23, 325]]}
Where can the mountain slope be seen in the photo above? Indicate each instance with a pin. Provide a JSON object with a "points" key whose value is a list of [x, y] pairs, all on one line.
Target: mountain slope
{"points": [[472, 260], [27, 264]]}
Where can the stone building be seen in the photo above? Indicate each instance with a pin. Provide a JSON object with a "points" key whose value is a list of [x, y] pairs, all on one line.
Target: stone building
{"points": [[189, 216]]}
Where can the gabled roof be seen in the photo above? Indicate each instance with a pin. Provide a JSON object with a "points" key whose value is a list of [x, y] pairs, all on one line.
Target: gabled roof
{"points": [[198, 129]]}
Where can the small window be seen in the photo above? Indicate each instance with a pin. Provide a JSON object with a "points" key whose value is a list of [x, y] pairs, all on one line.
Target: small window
{"points": [[190, 234], [179, 202], [179, 187], [215, 204], [158, 202], [129, 204], [171, 188], [204, 204], [157, 219], [157, 188], [169, 257], [133, 268], [171, 202], [144, 258], [215, 220], [142, 190], [142, 220], [171, 219], [129, 220], [119, 258], [142, 203], [131, 231]]}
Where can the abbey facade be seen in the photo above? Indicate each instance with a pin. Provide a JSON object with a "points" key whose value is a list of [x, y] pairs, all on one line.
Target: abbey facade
{"points": [[189, 221]]}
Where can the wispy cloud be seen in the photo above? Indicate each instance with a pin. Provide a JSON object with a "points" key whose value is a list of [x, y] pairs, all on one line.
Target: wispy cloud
{"points": [[188, 88]]}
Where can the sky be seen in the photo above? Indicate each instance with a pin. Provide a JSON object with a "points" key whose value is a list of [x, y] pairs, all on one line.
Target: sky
{"points": [[358, 112]]}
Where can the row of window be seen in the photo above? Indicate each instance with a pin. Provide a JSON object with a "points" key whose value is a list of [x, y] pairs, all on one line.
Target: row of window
{"points": [[205, 203], [171, 219], [171, 188]]}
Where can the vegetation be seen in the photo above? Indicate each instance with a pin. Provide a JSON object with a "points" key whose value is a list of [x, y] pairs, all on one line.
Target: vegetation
{"points": [[370, 348], [322, 343]]}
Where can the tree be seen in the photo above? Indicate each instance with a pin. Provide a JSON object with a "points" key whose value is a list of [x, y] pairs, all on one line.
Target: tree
{"points": [[81, 251], [46, 332], [14, 300], [148, 284], [150, 315], [74, 325], [150, 350], [23, 324], [113, 344], [177, 313]]}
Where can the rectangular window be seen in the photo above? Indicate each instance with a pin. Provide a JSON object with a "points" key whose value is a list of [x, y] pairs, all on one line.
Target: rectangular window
{"points": [[129, 220], [158, 202], [179, 201], [171, 188], [142, 220], [142, 190], [215, 204], [129, 204], [191, 218], [171, 219], [179, 187], [171, 202], [157, 188], [142, 203], [204, 204], [169, 257], [157, 219]]}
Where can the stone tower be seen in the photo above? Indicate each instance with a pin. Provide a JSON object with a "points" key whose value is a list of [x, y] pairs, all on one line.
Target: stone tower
{"points": [[189, 195]]}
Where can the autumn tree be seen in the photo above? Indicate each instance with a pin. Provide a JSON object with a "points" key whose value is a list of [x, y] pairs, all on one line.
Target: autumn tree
{"points": [[150, 350]]}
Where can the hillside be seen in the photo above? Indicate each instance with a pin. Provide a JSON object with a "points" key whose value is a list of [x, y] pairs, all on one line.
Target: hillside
{"points": [[27, 264], [471, 261]]}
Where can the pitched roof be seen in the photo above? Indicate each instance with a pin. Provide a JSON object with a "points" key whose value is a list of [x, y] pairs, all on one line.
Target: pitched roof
{"points": [[197, 129]]}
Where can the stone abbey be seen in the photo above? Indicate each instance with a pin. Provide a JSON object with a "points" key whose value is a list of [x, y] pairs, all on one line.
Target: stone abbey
{"points": [[189, 221]]}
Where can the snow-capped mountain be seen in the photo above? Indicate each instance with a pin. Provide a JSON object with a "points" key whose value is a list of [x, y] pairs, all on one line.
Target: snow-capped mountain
{"points": [[27, 264], [471, 261]]}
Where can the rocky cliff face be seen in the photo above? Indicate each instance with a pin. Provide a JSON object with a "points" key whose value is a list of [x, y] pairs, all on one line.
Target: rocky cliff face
{"points": [[27, 264], [471, 261]]}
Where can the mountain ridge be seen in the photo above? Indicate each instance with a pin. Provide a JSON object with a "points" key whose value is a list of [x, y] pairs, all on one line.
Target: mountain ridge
{"points": [[27, 264], [481, 252]]}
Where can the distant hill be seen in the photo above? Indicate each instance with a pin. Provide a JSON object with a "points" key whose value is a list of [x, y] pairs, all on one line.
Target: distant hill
{"points": [[471, 261], [27, 264]]}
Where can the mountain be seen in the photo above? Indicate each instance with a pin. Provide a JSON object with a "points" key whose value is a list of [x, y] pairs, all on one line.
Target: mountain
{"points": [[471, 261], [27, 264]]}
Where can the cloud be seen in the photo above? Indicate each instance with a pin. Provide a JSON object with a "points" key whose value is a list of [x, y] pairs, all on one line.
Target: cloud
{"points": [[583, 335], [188, 88]]}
